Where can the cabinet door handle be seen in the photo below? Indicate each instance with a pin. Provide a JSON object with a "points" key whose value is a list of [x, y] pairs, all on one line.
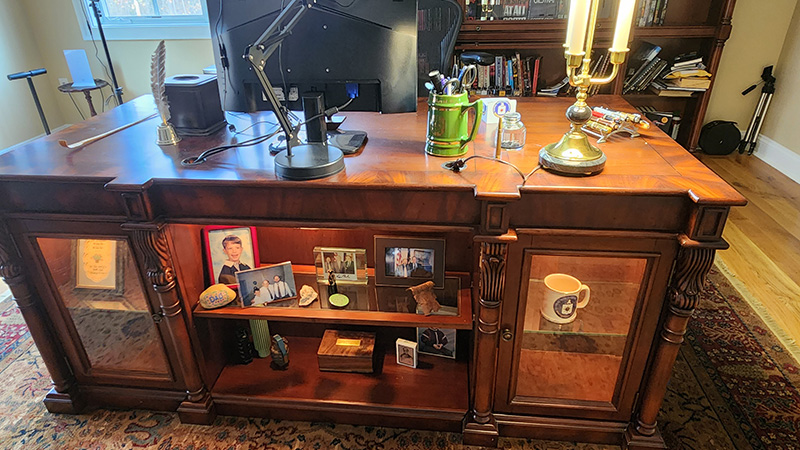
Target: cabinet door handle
{"points": [[478, 28], [507, 334], [157, 317]]}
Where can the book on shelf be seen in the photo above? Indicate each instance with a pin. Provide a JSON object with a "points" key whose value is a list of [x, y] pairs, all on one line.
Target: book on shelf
{"points": [[666, 91], [689, 82], [510, 75], [651, 12], [543, 9], [515, 9]]}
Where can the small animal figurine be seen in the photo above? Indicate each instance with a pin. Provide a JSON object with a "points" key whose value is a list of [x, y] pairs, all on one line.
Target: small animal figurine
{"points": [[280, 351], [425, 298], [332, 288]]}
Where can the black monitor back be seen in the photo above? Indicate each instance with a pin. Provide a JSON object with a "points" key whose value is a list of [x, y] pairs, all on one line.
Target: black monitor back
{"points": [[369, 42]]}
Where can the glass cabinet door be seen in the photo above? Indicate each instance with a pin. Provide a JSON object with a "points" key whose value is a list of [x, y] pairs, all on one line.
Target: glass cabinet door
{"points": [[577, 317], [102, 301]]}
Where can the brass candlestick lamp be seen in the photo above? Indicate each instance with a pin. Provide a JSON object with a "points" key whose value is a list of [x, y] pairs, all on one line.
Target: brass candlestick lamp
{"points": [[574, 154]]}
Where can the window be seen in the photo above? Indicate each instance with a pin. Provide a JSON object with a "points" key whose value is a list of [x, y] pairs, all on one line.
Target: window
{"points": [[144, 19]]}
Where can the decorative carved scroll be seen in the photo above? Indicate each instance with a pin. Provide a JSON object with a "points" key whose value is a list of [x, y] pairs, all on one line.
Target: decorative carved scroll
{"points": [[10, 260], [152, 243], [493, 272], [691, 269]]}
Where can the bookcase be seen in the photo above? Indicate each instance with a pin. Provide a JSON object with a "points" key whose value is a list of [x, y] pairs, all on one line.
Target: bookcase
{"points": [[702, 26]]}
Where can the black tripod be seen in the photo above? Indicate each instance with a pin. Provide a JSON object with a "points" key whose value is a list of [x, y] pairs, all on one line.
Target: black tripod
{"points": [[754, 128]]}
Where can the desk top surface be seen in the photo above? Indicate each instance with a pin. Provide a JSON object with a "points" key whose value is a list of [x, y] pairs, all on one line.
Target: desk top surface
{"points": [[394, 157]]}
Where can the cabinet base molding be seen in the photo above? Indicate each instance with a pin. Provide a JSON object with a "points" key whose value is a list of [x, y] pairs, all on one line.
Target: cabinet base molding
{"points": [[482, 434], [132, 398], [64, 402], [636, 441], [320, 411], [561, 429], [199, 413]]}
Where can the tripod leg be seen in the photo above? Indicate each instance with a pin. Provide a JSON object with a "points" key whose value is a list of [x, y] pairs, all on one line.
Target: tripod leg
{"points": [[750, 128], [757, 130]]}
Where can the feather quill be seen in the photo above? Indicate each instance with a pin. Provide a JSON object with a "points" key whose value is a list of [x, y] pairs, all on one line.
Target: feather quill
{"points": [[157, 77]]}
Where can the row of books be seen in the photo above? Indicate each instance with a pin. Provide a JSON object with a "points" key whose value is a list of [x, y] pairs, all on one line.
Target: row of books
{"points": [[529, 9], [684, 76], [651, 12], [509, 76]]}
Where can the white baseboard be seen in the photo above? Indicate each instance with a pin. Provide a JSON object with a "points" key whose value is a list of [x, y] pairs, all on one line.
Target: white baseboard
{"points": [[781, 158]]}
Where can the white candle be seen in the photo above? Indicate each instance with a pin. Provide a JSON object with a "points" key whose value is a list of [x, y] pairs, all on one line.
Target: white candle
{"points": [[623, 30], [576, 27]]}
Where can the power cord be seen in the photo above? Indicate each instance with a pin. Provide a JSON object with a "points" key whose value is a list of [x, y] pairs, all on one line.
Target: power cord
{"points": [[203, 157], [459, 164]]}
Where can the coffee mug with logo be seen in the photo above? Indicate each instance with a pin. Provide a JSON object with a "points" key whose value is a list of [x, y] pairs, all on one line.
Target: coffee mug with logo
{"points": [[564, 295]]}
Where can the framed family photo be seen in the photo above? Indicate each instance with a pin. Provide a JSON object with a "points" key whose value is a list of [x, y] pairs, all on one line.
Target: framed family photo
{"points": [[268, 284], [408, 261], [406, 353], [347, 264], [229, 250]]}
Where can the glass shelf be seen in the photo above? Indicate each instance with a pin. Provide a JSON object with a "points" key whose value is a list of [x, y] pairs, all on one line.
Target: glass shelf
{"points": [[369, 304]]}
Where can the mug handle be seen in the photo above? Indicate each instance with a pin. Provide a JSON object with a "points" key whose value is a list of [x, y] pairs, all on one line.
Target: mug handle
{"points": [[477, 105], [582, 303]]}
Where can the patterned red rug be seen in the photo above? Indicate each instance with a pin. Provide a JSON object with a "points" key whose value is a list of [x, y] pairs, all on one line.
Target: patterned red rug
{"points": [[733, 387]]}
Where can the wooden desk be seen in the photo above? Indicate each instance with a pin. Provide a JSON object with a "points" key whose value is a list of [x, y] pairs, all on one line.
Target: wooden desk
{"points": [[619, 232]]}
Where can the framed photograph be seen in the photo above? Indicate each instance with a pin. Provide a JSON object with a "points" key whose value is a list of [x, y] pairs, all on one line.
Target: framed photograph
{"points": [[228, 251], [437, 341], [408, 261], [406, 353], [348, 264], [266, 284], [99, 265]]}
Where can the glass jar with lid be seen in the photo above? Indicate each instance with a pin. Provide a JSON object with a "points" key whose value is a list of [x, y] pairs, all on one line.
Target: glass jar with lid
{"points": [[513, 132]]}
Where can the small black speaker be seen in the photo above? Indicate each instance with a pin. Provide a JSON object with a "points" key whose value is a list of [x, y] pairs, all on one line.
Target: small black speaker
{"points": [[720, 137], [194, 104]]}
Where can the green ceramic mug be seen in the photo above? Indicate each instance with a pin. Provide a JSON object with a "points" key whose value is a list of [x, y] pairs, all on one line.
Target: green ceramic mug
{"points": [[448, 122]]}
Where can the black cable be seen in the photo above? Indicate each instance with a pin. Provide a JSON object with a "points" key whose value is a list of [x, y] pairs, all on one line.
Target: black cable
{"points": [[459, 164], [203, 157]]}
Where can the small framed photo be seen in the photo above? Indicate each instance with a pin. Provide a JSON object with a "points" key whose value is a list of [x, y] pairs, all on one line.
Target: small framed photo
{"points": [[228, 251], [99, 265], [437, 341], [408, 261], [347, 264], [258, 287], [406, 353]]}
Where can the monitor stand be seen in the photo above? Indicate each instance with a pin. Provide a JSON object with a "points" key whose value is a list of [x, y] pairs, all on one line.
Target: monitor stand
{"points": [[316, 158]]}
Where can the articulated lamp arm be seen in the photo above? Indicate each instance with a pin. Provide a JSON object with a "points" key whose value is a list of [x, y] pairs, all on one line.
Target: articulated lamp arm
{"points": [[258, 53]]}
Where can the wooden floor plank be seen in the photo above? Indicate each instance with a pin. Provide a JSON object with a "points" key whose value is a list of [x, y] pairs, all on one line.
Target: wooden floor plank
{"points": [[765, 240]]}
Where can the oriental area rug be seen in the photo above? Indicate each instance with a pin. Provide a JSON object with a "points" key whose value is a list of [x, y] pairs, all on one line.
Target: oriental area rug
{"points": [[733, 387]]}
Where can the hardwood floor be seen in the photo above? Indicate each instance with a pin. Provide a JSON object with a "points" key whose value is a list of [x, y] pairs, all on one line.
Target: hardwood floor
{"points": [[764, 257]]}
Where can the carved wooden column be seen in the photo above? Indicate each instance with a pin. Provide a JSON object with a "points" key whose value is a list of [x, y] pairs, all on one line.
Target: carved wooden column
{"points": [[482, 428], [151, 243], [691, 267], [64, 396]]}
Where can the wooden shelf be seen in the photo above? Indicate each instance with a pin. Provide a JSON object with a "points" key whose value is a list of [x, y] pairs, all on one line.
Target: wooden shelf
{"points": [[439, 387], [369, 312]]}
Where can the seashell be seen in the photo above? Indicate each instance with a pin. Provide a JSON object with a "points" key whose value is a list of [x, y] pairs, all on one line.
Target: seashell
{"points": [[217, 296]]}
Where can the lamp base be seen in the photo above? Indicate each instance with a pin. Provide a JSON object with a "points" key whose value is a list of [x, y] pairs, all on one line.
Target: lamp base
{"points": [[573, 155], [309, 162]]}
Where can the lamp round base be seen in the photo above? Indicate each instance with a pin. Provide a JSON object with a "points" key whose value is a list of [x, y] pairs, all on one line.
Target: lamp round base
{"points": [[571, 167], [309, 162]]}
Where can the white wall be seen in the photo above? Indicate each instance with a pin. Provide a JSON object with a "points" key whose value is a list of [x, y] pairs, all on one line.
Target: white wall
{"points": [[759, 30], [18, 53]]}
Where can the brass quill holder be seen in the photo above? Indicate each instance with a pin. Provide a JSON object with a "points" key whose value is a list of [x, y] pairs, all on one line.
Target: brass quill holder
{"points": [[166, 133], [574, 154]]}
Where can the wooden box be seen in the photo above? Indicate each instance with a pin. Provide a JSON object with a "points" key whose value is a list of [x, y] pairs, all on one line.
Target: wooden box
{"points": [[346, 351]]}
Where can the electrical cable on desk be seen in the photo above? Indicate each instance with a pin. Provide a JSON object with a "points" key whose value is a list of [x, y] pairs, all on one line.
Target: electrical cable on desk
{"points": [[203, 157], [459, 164]]}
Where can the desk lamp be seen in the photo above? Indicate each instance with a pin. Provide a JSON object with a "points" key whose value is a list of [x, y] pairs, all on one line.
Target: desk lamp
{"points": [[574, 154], [317, 158]]}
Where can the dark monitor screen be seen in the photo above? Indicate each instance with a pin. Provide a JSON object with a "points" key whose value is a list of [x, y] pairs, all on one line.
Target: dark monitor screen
{"points": [[369, 42]]}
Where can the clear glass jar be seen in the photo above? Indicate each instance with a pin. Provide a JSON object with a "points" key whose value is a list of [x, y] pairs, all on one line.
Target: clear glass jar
{"points": [[513, 132]]}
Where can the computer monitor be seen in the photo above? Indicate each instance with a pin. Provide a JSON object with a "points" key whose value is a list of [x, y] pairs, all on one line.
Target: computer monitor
{"points": [[369, 42]]}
